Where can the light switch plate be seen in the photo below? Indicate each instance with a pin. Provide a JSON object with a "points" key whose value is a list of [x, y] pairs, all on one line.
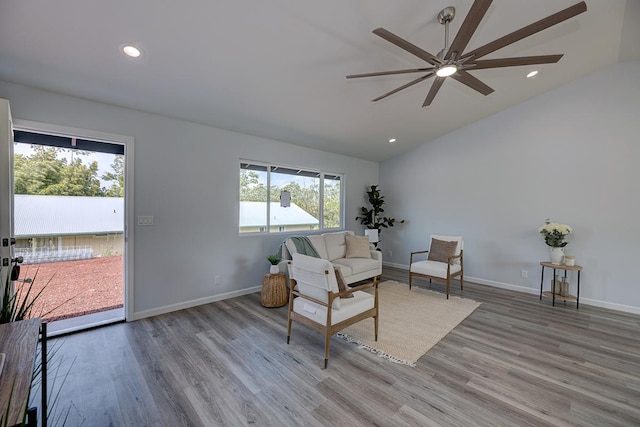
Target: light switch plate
{"points": [[145, 220]]}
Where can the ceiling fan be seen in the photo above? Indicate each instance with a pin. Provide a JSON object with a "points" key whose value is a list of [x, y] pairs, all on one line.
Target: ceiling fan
{"points": [[453, 62]]}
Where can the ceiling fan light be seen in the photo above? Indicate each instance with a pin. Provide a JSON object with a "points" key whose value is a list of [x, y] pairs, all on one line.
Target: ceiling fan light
{"points": [[446, 70]]}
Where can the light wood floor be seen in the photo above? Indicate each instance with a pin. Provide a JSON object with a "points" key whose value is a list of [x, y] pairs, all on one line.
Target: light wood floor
{"points": [[516, 361]]}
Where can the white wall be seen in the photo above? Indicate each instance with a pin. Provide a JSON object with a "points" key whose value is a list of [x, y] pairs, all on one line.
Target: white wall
{"points": [[570, 155], [186, 176]]}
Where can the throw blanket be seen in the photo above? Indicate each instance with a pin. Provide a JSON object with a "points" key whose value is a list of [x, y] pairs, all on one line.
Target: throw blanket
{"points": [[304, 246]]}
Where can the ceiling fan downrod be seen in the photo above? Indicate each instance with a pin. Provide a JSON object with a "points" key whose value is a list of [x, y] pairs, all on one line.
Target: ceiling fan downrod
{"points": [[449, 67], [445, 16]]}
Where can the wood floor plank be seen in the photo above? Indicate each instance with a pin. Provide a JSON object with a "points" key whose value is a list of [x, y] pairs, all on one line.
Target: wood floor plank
{"points": [[515, 361]]}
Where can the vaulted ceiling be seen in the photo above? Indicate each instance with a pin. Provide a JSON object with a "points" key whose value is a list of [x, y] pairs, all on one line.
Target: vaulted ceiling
{"points": [[277, 68]]}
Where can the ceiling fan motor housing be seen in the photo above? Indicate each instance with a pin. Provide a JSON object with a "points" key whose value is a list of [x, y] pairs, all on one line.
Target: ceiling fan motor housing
{"points": [[446, 15]]}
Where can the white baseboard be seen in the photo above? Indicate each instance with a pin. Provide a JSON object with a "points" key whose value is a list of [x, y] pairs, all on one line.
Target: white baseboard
{"points": [[200, 301], [193, 303], [393, 264], [535, 291], [610, 305], [509, 286]]}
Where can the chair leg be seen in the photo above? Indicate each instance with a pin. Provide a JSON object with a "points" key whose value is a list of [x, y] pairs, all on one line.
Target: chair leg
{"points": [[327, 341], [461, 282], [410, 277], [375, 327], [448, 281], [289, 329]]}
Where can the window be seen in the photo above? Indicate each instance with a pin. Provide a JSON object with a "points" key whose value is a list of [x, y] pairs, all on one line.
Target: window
{"points": [[316, 199]]}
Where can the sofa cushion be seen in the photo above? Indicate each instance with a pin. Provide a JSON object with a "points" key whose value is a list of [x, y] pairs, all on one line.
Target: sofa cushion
{"points": [[321, 247], [356, 246], [316, 241], [356, 265], [291, 247], [344, 269], [336, 247], [342, 285], [441, 250]]}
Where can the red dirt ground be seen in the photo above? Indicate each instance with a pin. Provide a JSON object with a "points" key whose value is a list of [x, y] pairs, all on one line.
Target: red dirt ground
{"points": [[75, 288]]}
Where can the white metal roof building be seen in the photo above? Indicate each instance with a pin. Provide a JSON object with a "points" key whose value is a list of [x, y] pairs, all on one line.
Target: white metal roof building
{"points": [[254, 214], [76, 215], [67, 215]]}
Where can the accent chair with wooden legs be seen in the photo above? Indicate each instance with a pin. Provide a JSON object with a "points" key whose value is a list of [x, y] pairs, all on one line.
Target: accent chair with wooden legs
{"points": [[316, 301], [444, 261]]}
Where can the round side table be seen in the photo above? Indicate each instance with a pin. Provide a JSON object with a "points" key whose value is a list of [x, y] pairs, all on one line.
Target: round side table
{"points": [[551, 294], [274, 290]]}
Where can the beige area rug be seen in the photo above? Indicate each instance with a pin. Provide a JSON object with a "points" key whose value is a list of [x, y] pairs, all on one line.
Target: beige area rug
{"points": [[410, 322]]}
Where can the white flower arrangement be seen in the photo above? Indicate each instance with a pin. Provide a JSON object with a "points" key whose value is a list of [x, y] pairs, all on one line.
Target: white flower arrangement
{"points": [[554, 233]]}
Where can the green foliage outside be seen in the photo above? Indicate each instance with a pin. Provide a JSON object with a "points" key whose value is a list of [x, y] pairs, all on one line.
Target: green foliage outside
{"points": [[306, 196], [43, 173], [116, 178]]}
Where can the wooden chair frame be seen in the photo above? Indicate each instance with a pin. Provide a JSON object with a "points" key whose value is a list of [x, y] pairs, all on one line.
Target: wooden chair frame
{"points": [[449, 274], [328, 329]]}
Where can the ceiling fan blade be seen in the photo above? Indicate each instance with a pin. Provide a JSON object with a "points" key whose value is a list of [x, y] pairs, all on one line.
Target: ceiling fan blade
{"points": [[514, 62], [435, 87], [523, 32], [386, 73], [411, 83], [468, 27], [467, 79], [409, 47]]}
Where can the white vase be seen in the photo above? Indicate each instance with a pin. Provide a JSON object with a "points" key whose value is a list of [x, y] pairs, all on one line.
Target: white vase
{"points": [[274, 269], [557, 255]]}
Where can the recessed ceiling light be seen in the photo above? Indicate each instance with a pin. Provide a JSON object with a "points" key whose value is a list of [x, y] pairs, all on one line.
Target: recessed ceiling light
{"points": [[532, 74], [392, 140], [131, 51]]}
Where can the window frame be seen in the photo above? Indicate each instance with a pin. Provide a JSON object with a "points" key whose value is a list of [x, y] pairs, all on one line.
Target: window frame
{"points": [[273, 167]]}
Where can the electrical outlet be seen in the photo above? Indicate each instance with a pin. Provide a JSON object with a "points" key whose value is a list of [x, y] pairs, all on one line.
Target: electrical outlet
{"points": [[216, 280], [524, 274]]}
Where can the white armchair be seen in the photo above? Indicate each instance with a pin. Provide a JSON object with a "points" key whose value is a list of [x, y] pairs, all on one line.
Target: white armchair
{"points": [[444, 261], [316, 301]]}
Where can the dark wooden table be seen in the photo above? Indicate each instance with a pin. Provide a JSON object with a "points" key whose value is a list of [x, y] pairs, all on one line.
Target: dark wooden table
{"points": [[19, 343]]}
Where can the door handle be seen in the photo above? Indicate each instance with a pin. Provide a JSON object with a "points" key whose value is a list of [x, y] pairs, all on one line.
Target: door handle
{"points": [[15, 270]]}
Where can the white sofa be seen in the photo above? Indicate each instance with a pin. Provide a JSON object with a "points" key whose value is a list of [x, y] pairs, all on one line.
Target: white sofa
{"points": [[333, 248]]}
